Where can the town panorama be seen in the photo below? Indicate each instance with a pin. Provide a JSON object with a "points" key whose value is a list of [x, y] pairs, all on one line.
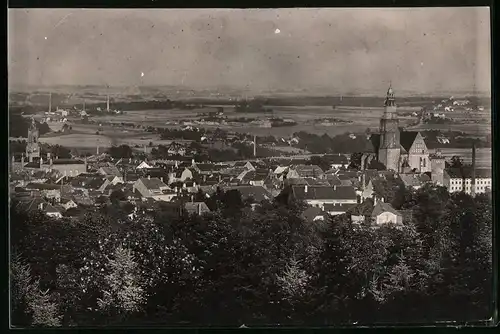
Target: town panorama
{"points": [[248, 168]]}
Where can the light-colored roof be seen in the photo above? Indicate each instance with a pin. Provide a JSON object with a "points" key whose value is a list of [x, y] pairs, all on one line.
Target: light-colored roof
{"points": [[382, 207], [153, 183]]}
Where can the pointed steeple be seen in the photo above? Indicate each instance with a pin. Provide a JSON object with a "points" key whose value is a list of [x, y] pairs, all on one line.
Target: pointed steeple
{"points": [[390, 100]]}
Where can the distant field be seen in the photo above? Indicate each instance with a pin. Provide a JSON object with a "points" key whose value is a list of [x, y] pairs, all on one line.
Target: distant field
{"points": [[483, 155], [360, 119]]}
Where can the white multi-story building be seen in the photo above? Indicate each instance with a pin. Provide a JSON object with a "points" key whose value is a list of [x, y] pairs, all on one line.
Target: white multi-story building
{"points": [[457, 180]]}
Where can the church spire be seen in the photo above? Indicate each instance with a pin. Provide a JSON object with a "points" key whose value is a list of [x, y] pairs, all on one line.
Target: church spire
{"points": [[390, 100]]}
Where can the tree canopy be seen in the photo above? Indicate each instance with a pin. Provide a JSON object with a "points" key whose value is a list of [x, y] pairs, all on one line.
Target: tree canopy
{"points": [[255, 265]]}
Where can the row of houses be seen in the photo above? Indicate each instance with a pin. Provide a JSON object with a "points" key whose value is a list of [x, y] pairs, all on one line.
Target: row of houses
{"points": [[332, 192]]}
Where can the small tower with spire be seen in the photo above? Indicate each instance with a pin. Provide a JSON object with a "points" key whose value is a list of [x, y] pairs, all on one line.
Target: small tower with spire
{"points": [[32, 145]]}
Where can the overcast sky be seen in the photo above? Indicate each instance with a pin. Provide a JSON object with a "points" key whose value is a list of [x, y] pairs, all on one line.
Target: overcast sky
{"points": [[337, 50]]}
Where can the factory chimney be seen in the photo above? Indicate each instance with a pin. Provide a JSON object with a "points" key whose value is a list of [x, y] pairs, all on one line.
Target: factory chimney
{"points": [[473, 176], [50, 102], [107, 103], [255, 146]]}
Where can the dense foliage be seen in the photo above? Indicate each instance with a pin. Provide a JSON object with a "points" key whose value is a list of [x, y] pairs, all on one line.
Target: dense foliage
{"points": [[239, 266], [19, 125]]}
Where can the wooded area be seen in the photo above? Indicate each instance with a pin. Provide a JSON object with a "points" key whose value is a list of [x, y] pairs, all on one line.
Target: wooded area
{"points": [[237, 266]]}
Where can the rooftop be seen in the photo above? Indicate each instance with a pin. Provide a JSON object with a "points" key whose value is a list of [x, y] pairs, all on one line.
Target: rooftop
{"points": [[466, 172], [67, 162], [153, 183], [324, 192]]}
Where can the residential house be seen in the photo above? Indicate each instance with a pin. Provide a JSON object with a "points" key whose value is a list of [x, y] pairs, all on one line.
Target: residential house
{"points": [[320, 195], [70, 167], [244, 164], [154, 188], [176, 149], [67, 203], [337, 161], [303, 171], [384, 213], [39, 204], [255, 177], [110, 181], [234, 171], [414, 180], [198, 208], [338, 209], [51, 191], [110, 170], [143, 165], [206, 169], [180, 175], [313, 214], [255, 193]]}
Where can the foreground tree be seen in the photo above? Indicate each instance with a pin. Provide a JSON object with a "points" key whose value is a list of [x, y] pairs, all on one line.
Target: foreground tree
{"points": [[31, 305]]}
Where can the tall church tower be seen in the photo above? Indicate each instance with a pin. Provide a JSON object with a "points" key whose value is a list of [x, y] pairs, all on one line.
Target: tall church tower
{"points": [[390, 148], [32, 146]]}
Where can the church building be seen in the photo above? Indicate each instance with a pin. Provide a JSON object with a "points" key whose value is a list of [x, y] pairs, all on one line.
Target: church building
{"points": [[32, 145], [400, 151]]}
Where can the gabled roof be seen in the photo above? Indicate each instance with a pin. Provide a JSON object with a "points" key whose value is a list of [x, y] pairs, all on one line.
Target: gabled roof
{"points": [[308, 170], [240, 163], [32, 165], [111, 170], [337, 159], [324, 192], [413, 179], [143, 165], [257, 175], [341, 207], [407, 138], [258, 193], [67, 162], [382, 207], [208, 167], [196, 207], [311, 213], [43, 186], [466, 172], [153, 183]]}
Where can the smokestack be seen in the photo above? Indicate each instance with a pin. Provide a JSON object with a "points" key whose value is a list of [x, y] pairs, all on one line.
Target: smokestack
{"points": [[255, 146], [107, 104], [473, 176], [50, 102]]}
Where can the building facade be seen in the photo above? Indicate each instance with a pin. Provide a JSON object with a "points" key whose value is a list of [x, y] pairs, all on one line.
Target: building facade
{"points": [[396, 149], [32, 145]]}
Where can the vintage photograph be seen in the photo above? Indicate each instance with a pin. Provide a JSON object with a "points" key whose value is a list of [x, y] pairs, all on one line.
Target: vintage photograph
{"points": [[250, 167]]}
